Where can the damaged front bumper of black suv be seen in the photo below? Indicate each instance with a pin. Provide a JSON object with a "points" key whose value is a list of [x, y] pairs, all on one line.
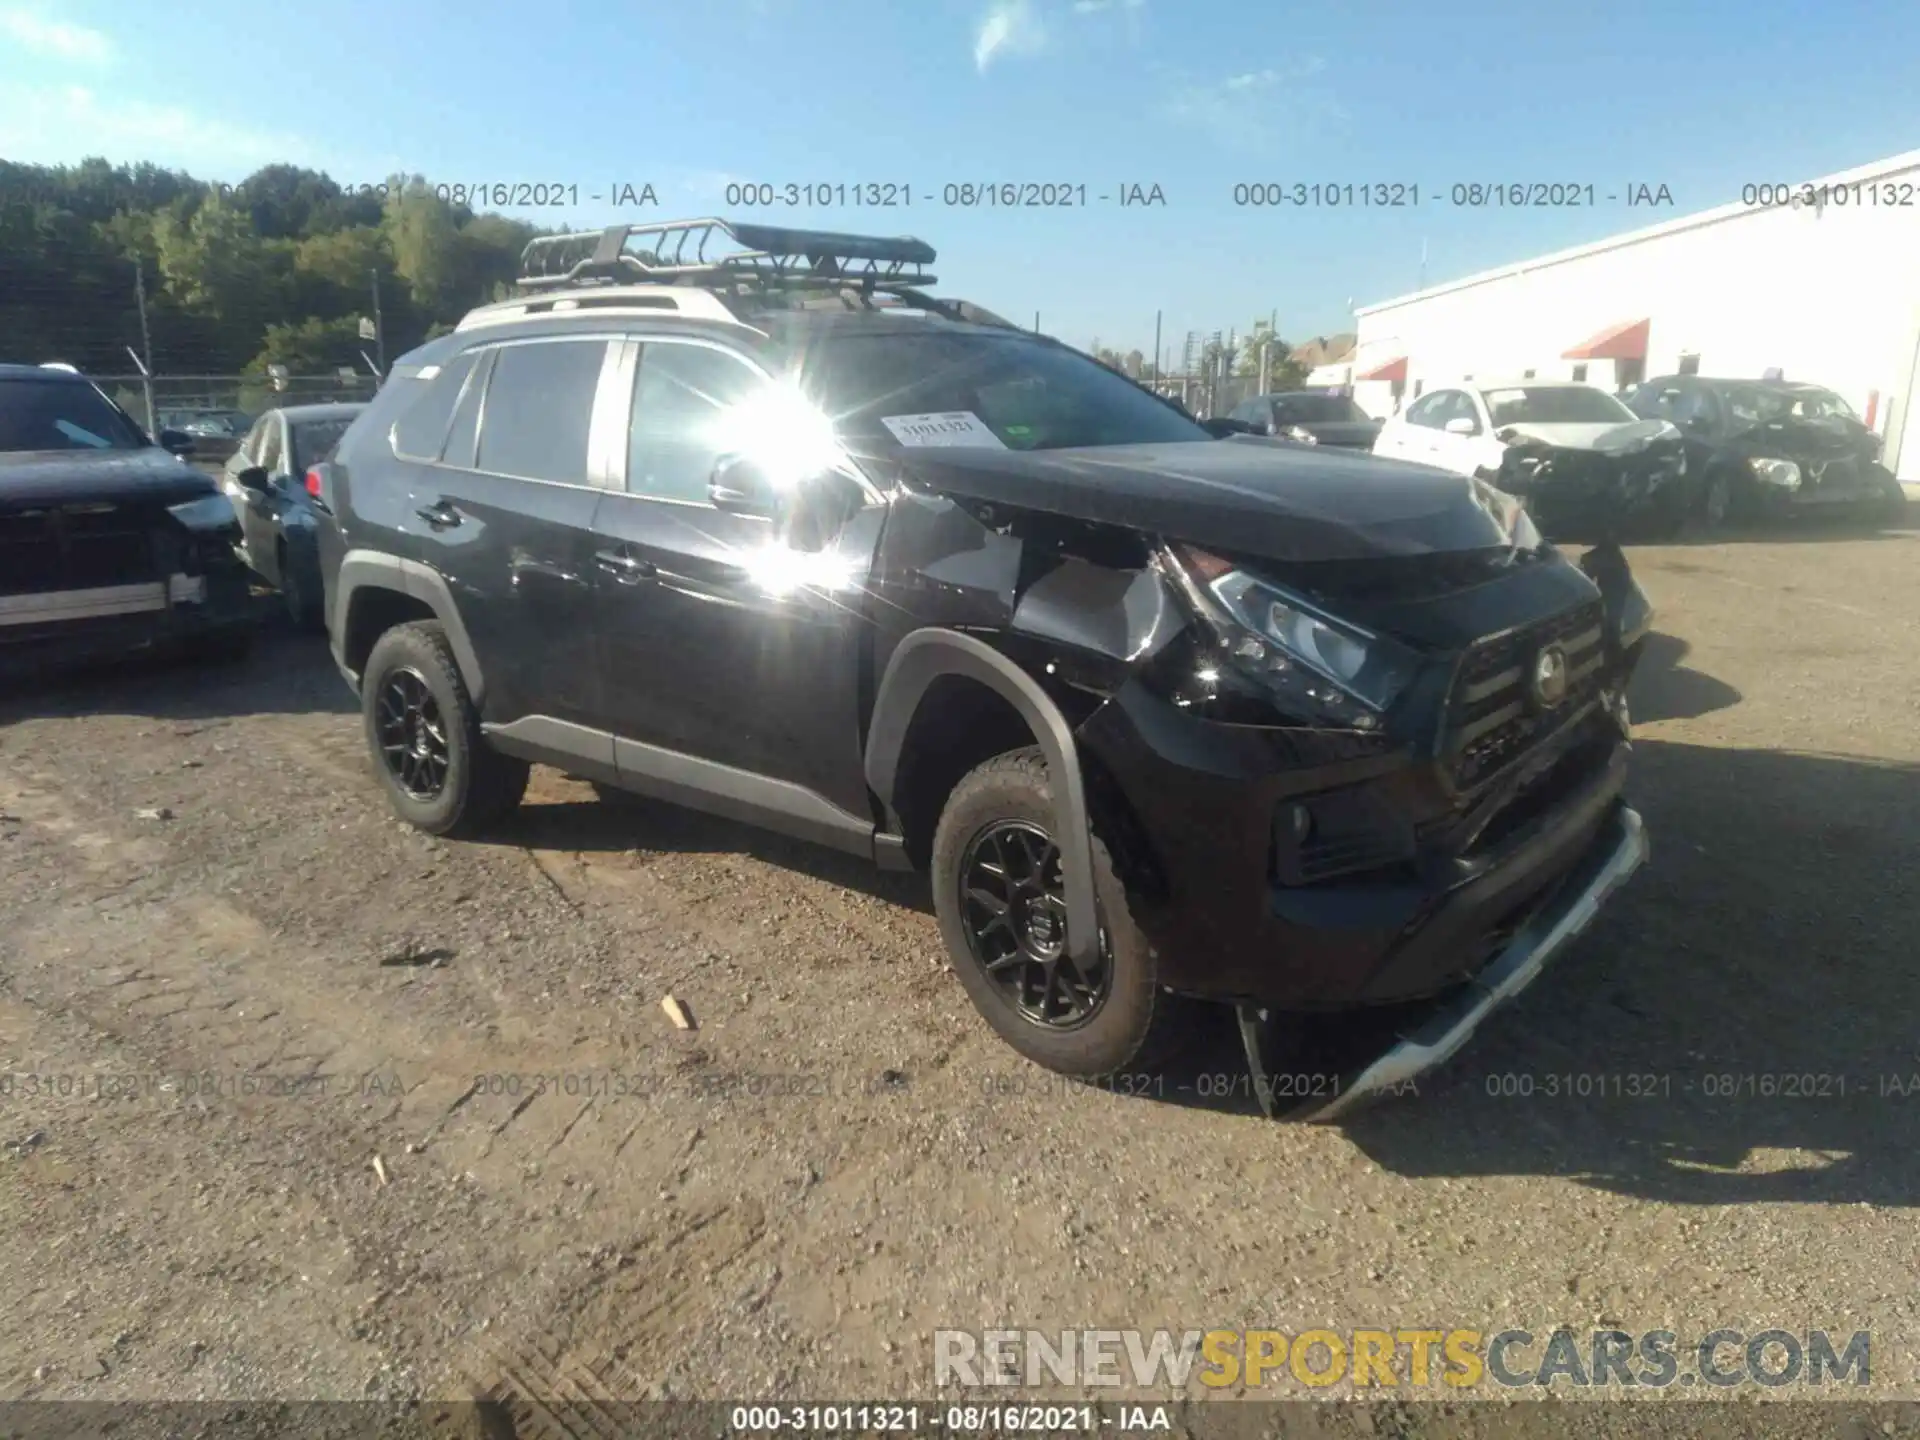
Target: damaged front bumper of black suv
{"points": [[1365, 898]]}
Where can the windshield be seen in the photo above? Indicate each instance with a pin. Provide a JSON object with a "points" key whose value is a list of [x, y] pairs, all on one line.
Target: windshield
{"points": [[1757, 404], [981, 389], [313, 439], [1316, 409], [1554, 405], [61, 415]]}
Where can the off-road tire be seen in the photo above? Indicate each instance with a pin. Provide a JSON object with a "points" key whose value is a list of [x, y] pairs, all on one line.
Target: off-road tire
{"points": [[481, 784], [1138, 1026]]}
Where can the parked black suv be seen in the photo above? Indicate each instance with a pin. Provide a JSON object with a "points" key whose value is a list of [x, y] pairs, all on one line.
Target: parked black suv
{"points": [[778, 535], [108, 542]]}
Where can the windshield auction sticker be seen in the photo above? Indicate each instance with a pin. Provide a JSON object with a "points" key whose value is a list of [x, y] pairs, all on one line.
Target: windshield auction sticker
{"points": [[952, 427]]}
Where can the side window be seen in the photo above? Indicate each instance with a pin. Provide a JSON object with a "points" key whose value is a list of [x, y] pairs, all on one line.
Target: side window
{"points": [[421, 428], [1428, 410], [1465, 409], [679, 393], [269, 456], [1692, 408], [539, 406]]}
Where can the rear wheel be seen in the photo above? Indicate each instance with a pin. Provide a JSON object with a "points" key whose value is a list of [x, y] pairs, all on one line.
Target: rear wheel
{"points": [[440, 774], [303, 606], [1001, 903]]}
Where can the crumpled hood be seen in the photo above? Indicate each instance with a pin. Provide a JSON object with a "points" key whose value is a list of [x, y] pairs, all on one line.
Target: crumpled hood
{"points": [[1254, 497], [33, 478], [1605, 437], [1827, 439]]}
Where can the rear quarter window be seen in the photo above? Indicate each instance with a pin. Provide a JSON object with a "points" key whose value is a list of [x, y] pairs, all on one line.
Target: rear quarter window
{"points": [[422, 427]]}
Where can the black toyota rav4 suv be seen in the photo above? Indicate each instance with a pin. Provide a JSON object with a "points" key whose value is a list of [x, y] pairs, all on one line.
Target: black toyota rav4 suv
{"points": [[778, 535]]}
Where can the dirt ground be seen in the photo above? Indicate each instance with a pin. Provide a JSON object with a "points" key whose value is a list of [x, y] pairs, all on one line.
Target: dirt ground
{"points": [[272, 1128]]}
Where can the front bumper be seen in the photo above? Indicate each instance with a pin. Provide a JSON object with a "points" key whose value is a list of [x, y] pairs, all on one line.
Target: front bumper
{"points": [[1619, 850], [1226, 927], [54, 629]]}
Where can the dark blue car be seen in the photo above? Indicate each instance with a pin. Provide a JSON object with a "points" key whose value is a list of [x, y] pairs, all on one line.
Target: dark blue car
{"points": [[266, 479]]}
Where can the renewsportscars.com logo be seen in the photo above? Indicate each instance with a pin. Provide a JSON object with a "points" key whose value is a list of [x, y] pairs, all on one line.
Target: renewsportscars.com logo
{"points": [[1459, 1358]]}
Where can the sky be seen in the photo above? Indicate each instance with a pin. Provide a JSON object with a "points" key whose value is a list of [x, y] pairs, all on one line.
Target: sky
{"points": [[1094, 98]]}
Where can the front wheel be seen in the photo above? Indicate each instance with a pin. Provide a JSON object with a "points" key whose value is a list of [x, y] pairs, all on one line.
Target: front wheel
{"points": [[1001, 903], [1716, 501], [440, 774]]}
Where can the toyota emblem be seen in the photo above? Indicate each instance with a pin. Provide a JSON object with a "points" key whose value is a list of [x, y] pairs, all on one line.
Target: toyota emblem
{"points": [[1548, 686]]}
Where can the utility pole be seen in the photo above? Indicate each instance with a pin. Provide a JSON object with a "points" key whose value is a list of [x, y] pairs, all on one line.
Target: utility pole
{"points": [[379, 324], [146, 347], [1156, 347]]}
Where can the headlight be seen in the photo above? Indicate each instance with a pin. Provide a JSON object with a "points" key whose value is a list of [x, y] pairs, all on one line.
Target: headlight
{"points": [[209, 512], [1270, 635], [1783, 473], [1304, 437]]}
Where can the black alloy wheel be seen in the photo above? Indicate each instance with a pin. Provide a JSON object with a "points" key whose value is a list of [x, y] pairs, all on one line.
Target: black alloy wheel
{"points": [[413, 735], [1013, 907]]}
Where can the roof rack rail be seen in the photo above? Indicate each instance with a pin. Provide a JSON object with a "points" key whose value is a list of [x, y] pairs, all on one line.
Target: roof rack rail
{"points": [[677, 252]]}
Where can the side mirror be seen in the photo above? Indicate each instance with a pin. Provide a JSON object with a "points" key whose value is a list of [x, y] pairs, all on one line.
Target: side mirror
{"points": [[1461, 425], [740, 486], [255, 477], [175, 442]]}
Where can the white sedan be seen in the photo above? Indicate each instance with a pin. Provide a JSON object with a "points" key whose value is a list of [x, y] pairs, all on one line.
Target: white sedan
{"points": [[1563, 446]]}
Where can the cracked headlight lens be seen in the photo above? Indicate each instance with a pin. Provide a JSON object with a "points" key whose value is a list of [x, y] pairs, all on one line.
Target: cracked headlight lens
{"points": [[1268, 632]]}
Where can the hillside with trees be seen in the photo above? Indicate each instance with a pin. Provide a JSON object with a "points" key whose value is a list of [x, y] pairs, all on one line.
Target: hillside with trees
{"points": [[276, 270]]}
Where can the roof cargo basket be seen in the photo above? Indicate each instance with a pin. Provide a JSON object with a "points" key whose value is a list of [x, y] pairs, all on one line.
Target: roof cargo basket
{"points": [[693, 252]]}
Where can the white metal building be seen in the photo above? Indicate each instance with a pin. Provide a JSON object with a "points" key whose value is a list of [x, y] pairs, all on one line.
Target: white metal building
{"points": [[1826, 291]]}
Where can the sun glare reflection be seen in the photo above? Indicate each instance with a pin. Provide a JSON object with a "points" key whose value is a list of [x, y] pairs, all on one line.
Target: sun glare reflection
{"points": [[780, 431]]}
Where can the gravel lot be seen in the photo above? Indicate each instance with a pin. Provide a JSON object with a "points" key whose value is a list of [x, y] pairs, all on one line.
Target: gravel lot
{"points": [[203, 899]]}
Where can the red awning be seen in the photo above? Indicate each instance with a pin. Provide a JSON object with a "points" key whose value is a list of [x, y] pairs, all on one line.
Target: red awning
{"points": [[1392, 370], [1616, 342]]}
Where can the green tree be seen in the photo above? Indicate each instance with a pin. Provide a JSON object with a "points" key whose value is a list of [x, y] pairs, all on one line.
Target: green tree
{"points": [[420, 232], [310, 347]]}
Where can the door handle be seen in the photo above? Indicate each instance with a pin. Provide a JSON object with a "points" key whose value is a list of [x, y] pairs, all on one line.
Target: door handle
{"points": [[624, 567], [441, 515]]}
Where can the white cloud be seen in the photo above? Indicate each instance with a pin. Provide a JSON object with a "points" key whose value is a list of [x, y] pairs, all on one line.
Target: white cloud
{"points": [[1010, 27], [55, 39], [1094, 7], [58, 125]]}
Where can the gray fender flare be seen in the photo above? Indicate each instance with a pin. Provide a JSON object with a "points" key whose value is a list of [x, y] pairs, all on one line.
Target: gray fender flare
{"points": [[926, 655], [374, 569]]}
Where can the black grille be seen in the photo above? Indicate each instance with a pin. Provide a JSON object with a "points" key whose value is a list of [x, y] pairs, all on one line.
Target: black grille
{"points": [[78, 547], [1493, 720]]}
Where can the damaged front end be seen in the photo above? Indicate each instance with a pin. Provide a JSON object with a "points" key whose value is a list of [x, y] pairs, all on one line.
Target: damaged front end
{"points": [[1793, 465], [1633, 480], [1338, 786], [94, 566]]}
